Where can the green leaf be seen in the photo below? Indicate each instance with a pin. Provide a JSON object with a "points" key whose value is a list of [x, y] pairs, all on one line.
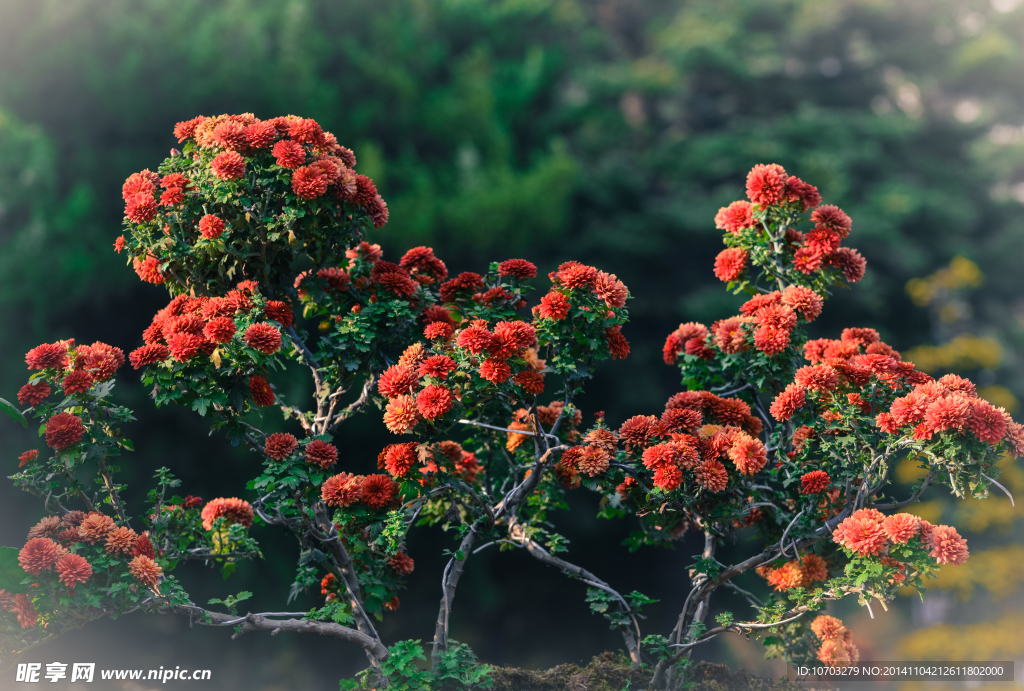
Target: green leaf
{"points": [[11, 573], [13, 412]]}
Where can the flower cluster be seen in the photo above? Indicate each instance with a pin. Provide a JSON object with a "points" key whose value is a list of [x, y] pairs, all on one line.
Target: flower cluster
{"points": [[285, 181], [763, 233], [230, 339], [836, 641], [871, 533]]}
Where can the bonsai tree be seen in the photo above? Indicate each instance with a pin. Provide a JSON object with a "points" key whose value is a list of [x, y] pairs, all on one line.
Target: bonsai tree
{"points": [[258, 229]]}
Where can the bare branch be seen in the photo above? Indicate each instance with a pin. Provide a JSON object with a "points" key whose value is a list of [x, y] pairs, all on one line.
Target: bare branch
{"points": [[255, 622], [1005, 491]]}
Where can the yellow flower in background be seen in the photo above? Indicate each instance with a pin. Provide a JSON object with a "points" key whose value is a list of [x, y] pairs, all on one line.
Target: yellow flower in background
{"points": [[961, 273], [996, 570], [990, 640], [965, 352]]}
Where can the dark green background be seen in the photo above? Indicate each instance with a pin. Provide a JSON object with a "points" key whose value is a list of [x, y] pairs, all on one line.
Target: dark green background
{"points": [[608, 132]]}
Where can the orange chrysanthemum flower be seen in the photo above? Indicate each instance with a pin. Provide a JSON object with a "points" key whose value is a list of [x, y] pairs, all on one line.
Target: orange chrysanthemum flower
{"points": [[401, 414], [233, 509], [342, 489], [319, 452], [38, 554], [73, 569], [146, 571]]}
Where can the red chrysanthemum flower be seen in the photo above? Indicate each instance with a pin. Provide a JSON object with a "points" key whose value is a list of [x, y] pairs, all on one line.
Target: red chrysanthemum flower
{"points": [[952, 412], [434, 401], [638, 430], [850, 262], [95, 527], [185, 130], [119, 244], [184, 346], [397, 380], [475, 339], [259, 135], [231, 135], [148, 355], [401, 414], [421, 261], [289, 154], [402, 564], [711, 475], [860, 335], [28, 457], [228, 165], [575, 275], [832, 217], [461, 284], [787, 402], [518, 268], [38, 554], [140, 207], [748, 454], [799, 191], [771, 340], [143, 547], [33, 394], [956, 384], [146, 571], [342, 489], [309, 182], [593, 461], [730, 264], [554, 306], [399, 458], [861, 534], [511, 337], [232, 509], [776, 316], [438, 330], [219, 330], [172, 196], [64, 430], [814, 482], [766, 184], [987, 423], [77, 382], [25, 610], [610, 289], [148, 269], [817, 378], [495, 370], [262, 394], [399, 283], [806, 260], [73, 569], [532, 382], [660, 455], [901, 527], [680, 420], [306, 131], [617, 343], [211, 227], [280, 445], [803, 300], [47, 355], [378, 491], [668, 478], [319, 452], [947, 546], [822, 240], [735, 217], [100, 360], [437, 366], [264, 338]]}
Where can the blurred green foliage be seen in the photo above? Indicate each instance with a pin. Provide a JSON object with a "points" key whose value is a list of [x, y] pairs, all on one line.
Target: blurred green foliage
{"points": [[608, 131]]}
